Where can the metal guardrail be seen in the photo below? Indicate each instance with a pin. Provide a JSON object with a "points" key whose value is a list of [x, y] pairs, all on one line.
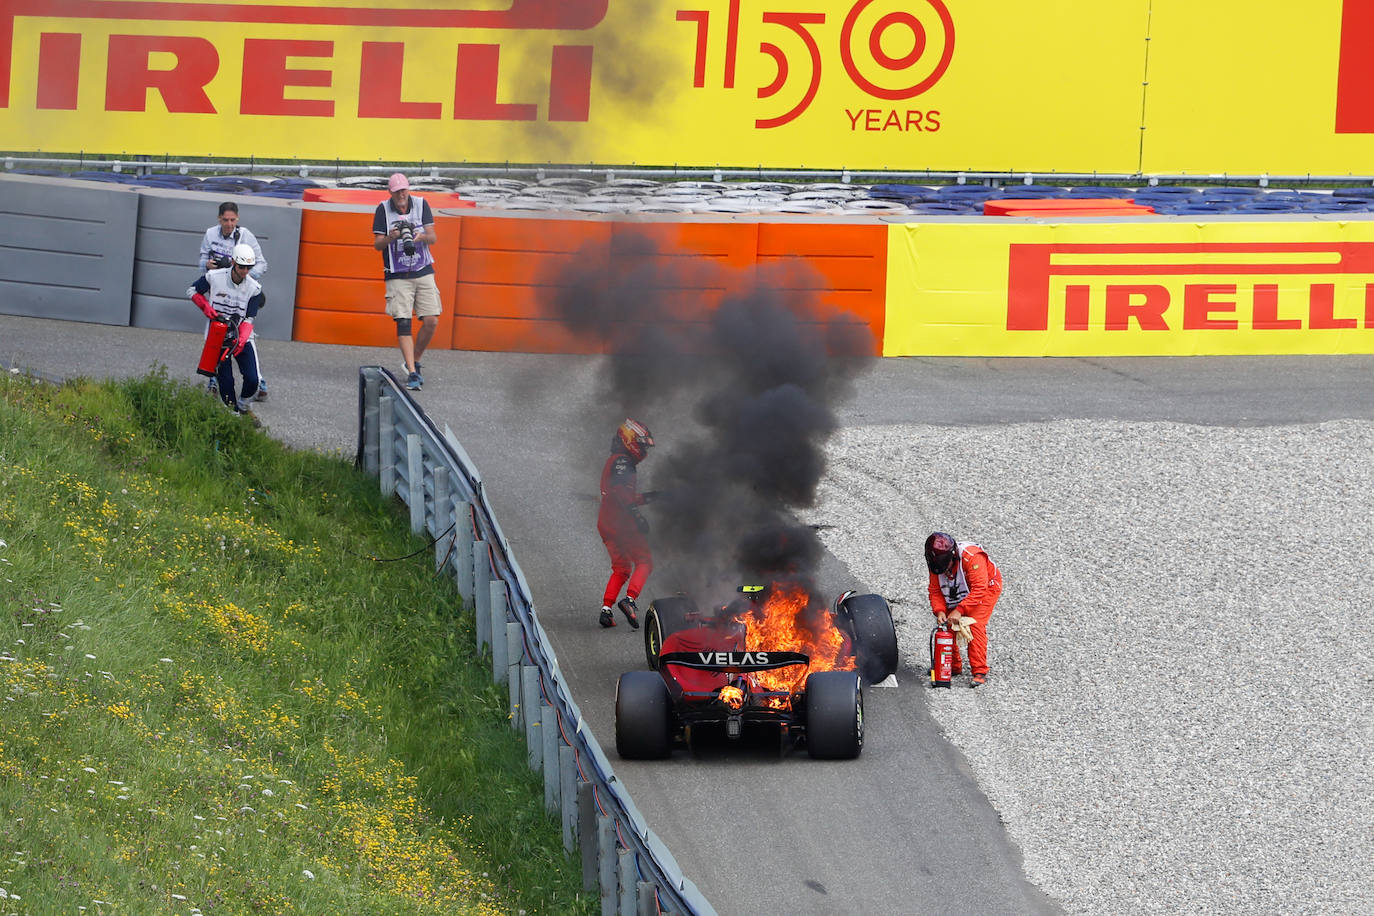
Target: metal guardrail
{"points": [[431, 473], [144, 165]]}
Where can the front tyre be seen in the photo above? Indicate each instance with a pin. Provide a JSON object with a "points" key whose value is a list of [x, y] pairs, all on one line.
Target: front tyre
{"points": [[875, 636]]}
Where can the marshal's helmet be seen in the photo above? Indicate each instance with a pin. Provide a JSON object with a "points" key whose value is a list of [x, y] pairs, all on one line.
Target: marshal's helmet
{"points": [[940, 552], [635, 438], [243, 255]]}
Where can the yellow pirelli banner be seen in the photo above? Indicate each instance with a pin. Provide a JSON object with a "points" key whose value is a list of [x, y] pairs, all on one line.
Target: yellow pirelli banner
{"points": [[1251, 87], [1130, 289], [859, 84], [1194, 86]]}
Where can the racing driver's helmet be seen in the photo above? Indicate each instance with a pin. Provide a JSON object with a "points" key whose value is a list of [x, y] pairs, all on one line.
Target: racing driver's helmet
{"points": [[635, 437], [940, 552]]}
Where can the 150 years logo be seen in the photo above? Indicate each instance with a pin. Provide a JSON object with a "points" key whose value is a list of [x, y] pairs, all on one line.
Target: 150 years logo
{"points": [[892, 51]]}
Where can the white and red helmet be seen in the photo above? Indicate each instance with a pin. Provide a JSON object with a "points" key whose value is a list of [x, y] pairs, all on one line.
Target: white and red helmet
{"points": [[243, 255]]}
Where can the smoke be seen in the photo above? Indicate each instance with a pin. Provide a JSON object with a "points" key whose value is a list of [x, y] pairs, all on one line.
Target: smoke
{"points": [[741, 400], [627, 35]]}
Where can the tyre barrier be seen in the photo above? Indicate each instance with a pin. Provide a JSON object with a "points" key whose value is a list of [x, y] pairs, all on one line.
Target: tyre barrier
{"points": [[631, 195], [429, 471]]}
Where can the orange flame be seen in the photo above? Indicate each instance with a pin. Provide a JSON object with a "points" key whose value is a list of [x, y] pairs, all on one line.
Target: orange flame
{"points": [[787, 621], [732, 696]]}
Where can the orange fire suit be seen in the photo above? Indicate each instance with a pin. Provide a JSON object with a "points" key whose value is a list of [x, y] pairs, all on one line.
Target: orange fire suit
{"points": [[972, 588]]}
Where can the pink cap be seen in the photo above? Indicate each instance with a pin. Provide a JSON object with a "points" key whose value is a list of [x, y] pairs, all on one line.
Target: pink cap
{"points": [[398, 182]]}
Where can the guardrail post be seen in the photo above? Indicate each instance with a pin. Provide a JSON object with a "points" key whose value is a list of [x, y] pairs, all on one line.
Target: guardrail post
{"points": [[499, 618], [462, 530], [386, 446], [515, 649], [415, 480], [548, 730], [372, 387], [443, 540], [606, 863], [625, 871], [517, 699], [586, 832], [567, 775], [529, 706], [481, 592], [648, 906]]}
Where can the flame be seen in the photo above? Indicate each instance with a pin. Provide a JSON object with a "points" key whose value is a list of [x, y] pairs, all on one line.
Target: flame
{"points": [[732, 696], [788, 621]]}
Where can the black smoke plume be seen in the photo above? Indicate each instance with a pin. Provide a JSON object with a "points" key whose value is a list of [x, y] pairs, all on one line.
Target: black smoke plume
{"points": [[760, 377]]}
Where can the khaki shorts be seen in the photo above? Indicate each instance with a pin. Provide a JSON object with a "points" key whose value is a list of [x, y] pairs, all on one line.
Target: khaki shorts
{"points": [[413, 297]]}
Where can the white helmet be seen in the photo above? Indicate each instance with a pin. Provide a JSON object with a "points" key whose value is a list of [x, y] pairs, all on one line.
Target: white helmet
{"points": [[243, 255]]}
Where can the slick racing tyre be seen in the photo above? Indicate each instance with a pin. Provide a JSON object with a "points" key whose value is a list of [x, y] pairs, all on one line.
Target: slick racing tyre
{"points": [[643, 717], [664, 617], [834, 715], [875, 636]]}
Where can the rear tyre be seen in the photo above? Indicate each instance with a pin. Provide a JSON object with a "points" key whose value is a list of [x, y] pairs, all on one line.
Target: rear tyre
{"points": [[643, 717], [875, 636], [664, 617], [834, 715]]}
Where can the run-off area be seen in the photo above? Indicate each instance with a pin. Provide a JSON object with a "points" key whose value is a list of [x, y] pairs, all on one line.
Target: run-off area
{"points": [[1181, 703]]}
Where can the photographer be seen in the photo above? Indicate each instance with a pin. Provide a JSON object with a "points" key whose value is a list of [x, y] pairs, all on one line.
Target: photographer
{"points": [[231, 296], [216, 251], [403, 230]]}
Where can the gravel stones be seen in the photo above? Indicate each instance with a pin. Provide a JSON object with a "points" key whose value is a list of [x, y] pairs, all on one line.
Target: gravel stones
{"points": [[1180, 715]]}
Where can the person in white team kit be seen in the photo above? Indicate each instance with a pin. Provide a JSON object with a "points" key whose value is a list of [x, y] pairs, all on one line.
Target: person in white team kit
{"points": [[216, 250], [232, 293]]}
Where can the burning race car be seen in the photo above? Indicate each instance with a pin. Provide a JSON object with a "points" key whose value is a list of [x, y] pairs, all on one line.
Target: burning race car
{"points": [[771, 659]]}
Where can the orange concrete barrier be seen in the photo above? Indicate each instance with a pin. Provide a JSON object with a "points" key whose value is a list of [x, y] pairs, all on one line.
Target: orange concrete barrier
{"points": [[500, 275], [1047, 207], [843, 265], [340, 297], [511, 269], [371, 198], [504, 274]]}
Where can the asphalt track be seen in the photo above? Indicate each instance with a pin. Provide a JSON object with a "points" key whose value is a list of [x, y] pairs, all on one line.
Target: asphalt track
{"points": [[904, 829]]}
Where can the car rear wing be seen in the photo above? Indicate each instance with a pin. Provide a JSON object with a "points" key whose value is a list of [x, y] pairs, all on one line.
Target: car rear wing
{"points": [[736, 662]]}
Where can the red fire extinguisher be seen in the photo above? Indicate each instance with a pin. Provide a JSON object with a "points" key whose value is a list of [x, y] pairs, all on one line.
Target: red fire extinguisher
{"points": [[941, 655], [218, 345]]}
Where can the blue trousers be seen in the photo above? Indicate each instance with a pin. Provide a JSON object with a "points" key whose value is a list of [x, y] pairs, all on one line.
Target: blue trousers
{"points": [[248, 368]]}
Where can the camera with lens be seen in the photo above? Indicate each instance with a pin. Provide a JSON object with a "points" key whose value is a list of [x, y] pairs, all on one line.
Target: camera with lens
{"points": [[407, 236], [220, 260]]}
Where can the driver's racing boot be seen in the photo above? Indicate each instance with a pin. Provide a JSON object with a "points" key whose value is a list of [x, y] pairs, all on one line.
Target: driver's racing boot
{"points": [[607, 618], [631, 612]]}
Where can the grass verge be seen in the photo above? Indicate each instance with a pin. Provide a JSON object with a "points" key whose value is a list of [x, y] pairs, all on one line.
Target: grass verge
{"points": [[216, 701]]}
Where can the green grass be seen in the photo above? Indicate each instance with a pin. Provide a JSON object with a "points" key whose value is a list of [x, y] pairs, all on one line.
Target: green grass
{"points": [[213, 700]]}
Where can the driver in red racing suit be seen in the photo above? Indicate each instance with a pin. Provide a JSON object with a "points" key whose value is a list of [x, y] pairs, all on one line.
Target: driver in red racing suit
{"points": [[620, 525]]}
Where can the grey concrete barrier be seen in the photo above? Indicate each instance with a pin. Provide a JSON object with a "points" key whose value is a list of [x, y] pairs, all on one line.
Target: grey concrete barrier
{"points": [[124, 255], [66, 248], [170, 226]]}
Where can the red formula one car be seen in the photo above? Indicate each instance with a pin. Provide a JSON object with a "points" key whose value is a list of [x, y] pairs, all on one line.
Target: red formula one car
{"points": [[768, 661]]}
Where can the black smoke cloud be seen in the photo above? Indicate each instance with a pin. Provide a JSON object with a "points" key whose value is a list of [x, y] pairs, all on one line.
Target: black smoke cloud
{"points": [[760, 377]]}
